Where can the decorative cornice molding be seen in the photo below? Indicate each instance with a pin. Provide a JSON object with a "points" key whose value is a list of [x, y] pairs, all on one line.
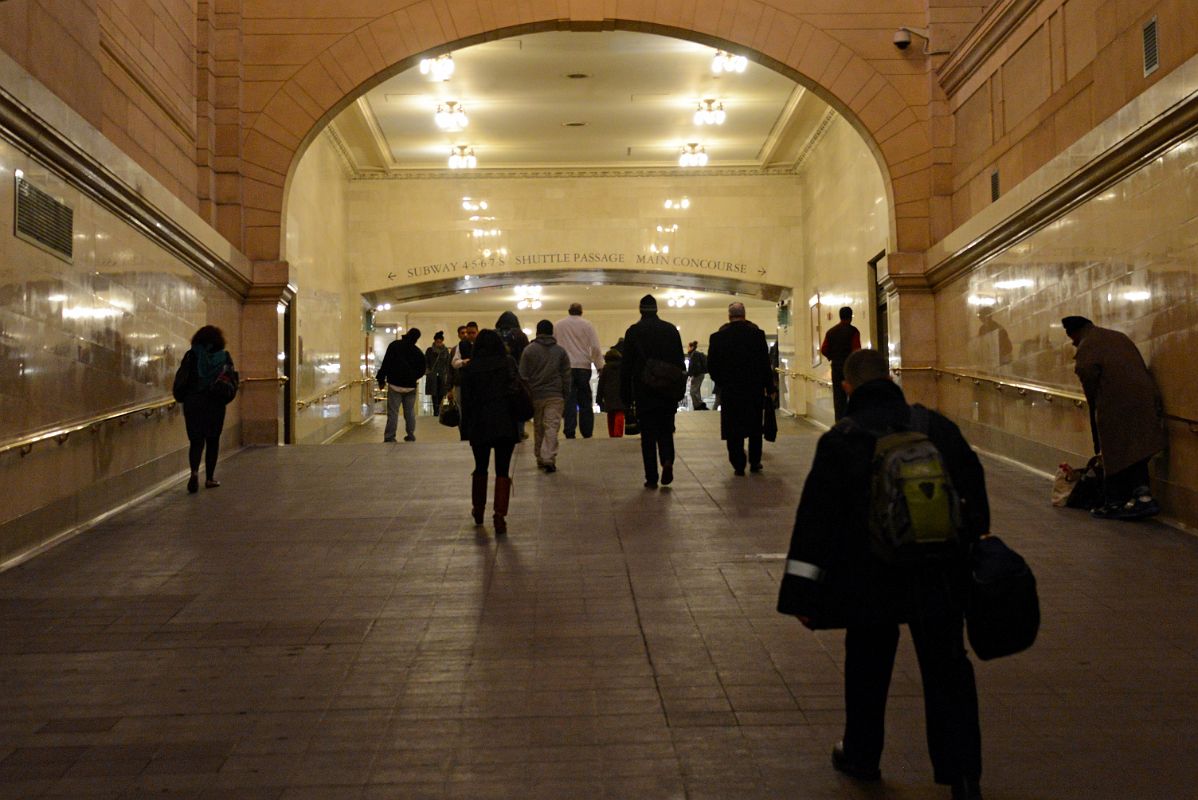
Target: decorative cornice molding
{"points": [[830, 116], [39, 140], [999, 21], [341, 149], [575, 172], [1135, 152]]}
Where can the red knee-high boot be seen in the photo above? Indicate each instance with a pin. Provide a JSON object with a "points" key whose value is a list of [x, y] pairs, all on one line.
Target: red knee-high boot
{"points": [[503, 492]]}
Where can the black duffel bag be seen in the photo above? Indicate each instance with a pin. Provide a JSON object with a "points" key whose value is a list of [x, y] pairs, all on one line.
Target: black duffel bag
{"points": [[1003, 611]]}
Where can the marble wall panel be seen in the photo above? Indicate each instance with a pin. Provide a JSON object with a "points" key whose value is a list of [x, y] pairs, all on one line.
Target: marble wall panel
{"points": [[103, 332], [1128, 259]]}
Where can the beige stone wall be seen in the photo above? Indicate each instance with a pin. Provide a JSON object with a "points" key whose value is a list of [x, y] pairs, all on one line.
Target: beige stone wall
{"points": [[1059, 73], [328, 302], [843, 226], [405, 232], [127, 66]]}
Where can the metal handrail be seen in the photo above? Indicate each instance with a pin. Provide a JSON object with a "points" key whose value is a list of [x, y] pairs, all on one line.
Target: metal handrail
{"points": [[790, 373], [63, 432], [279, 379], [302, 404], [1023, 389]]}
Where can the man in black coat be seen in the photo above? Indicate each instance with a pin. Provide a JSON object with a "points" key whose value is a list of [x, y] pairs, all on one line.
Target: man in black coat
{"points": [[738, 360], [403, 365], [841, 341], [832, 581], [653, 339]]}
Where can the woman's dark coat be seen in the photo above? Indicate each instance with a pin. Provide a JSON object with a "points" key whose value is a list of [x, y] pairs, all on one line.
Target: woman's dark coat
{"points": [[203, 414], [738, 360], [486, 387], [437, 362]]}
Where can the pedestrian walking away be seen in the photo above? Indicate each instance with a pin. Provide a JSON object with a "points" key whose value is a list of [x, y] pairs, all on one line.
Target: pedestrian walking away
{"points": [[488, 423], [580, 340], [696, 370], [739, 361], [652, 381], [839, 574], [205, 383], [546, 368], [608, 392]]}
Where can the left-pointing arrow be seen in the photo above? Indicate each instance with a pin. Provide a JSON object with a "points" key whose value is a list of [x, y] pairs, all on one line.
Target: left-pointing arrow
{"points": [[390, 276]]}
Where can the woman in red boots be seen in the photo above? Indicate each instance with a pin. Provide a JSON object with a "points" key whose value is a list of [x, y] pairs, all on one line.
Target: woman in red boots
{"points": [[488, 383]]}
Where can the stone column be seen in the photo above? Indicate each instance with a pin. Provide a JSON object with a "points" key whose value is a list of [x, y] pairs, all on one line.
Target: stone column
{"points": [[260, 347], [912, 324]]}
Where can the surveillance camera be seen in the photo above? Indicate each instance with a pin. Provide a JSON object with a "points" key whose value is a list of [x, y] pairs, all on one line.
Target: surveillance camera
{"points": [[902, 38]]}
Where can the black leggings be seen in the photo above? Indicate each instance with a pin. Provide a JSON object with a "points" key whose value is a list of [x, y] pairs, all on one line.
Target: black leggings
{"points": [[503, 457], [213, 450]]}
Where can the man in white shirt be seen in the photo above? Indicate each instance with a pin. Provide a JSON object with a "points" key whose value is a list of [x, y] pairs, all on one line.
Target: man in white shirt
{"points": [[581, 343]]}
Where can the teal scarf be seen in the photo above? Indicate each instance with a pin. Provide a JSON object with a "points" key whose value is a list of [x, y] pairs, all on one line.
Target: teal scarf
{"points": [[208, 363]]}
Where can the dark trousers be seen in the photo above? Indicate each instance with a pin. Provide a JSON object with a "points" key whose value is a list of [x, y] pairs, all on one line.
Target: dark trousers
{"points": [[1122, 486], [736, 450], [657, 439], [503, 457], [950, 695], [840, 400], [580, 410], [209, 447]]}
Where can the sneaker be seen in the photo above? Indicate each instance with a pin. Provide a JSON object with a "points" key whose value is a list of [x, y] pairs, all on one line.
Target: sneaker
{"points": [[1140, 507], [856, 770]]}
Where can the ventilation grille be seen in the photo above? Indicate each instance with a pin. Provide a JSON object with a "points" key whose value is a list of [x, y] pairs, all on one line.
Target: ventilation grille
{"points": [[994, 185], [45, 222], [1152, 53]]}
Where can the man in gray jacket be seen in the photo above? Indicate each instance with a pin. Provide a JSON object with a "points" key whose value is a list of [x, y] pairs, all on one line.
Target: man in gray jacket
{"points": [[546, 367]]}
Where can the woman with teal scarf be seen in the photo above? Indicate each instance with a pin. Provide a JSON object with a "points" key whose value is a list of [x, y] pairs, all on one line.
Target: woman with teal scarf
{"points": [[203, 412]]}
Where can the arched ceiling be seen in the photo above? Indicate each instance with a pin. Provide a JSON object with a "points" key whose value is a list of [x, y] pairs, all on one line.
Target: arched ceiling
{"points": [[635, 98]]}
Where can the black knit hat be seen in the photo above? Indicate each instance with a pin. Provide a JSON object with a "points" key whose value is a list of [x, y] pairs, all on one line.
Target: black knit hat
{"points": [[1074, 324], [648, 303], [544, 328]]}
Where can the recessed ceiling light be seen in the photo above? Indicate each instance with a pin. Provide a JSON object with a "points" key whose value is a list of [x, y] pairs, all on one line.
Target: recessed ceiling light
{"points": [[574, 124], [577, 76]]}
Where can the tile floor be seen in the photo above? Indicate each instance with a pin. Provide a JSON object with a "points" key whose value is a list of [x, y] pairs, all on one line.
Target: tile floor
{"points": [[329, 624]]}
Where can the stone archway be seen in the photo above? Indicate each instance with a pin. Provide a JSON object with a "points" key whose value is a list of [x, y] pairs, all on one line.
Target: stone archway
{"points": [[889, 111], [842, 65]]}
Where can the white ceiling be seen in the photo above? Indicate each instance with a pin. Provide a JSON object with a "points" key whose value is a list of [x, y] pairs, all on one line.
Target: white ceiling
{"points": [[637, 103]]}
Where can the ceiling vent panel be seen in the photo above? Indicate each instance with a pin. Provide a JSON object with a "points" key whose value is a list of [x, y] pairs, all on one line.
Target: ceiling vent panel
{"points": [[44, 222], [1152, 52]]}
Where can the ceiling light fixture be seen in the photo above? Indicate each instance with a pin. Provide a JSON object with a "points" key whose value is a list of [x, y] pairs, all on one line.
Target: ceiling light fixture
{"points": [[710, 112], [723, 61], [462, 157], [440, 68], [668, 228], [474, 205], [451, 116], [664, 249], [680, 299], [683, 204], [693, 155], [528, 297]]}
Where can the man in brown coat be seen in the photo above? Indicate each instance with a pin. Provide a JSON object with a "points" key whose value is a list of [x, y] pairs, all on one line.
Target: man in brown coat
{"points": [[1125, 416]]}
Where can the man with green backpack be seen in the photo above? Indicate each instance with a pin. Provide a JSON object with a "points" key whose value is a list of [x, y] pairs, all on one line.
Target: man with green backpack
{"points": [[894, 499]]}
